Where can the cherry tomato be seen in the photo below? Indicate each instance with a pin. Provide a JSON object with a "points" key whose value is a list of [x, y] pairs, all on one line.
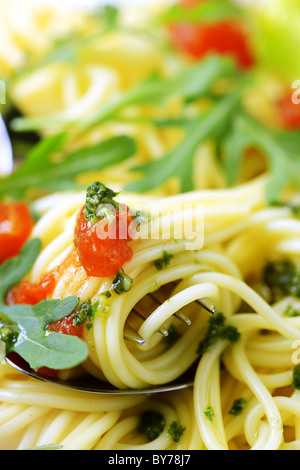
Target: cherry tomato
{"points": [[225, 37], [289, 112], [16, 224], [66, 326], [32, 293], [103, 254], [222, 37]]}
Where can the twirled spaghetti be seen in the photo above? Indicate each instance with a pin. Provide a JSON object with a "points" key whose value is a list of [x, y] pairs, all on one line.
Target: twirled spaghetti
{"points": [[245, 394], [257, 368]]}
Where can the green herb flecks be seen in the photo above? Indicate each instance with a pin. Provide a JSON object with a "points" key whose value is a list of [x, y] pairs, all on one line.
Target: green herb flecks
{"points": [[296, 377], [281, 278], [209, 413], [173, 335], [151, 424], [122, 283], [176, 430], [9, 332], [238, 406], [85, 313], [164, 261], [217, 329], [100, 203]]}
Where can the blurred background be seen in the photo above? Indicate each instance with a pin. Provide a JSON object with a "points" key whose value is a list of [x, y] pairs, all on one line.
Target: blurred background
{"points": [[63, 61]]}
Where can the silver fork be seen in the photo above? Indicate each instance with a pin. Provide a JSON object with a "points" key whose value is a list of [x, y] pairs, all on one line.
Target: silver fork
{"points": [[131, 334], [94, 385]]}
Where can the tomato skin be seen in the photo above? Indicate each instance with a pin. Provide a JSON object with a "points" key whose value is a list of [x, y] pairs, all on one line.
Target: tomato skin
{"points": [[16, 224], [66, 326], [102, 257], [32, 293], [222, 37], [289, 112]]}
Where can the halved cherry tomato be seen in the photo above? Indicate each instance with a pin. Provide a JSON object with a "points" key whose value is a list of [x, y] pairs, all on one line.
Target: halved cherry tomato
{"points": [[32, 293], [103, 256], [222, 37], [67, 326], [225, 37], [289, 112], [16, 224]]}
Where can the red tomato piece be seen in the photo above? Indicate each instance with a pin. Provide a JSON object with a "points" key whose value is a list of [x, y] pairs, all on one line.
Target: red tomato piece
{"points": [[102, 255], [289, 112], [32, 293], [66, 326], [16, 224], [222, 37]]}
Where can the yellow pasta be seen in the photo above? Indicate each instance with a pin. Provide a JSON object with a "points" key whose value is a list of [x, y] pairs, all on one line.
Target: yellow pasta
{"points": [[257, 368]]}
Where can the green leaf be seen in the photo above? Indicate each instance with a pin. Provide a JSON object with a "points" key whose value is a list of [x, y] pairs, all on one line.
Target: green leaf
{"points": [[179, 162], [39, 347], [234, 144], [35, 344], [280, 150], [40, 171], [38, 157], [14, 269], [284, 165]]}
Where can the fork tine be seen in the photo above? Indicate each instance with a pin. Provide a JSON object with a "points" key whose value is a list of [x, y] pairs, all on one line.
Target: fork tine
{"points": [[207, 305], [143, 315], [131, 335], [183, 318], [178, 315]]}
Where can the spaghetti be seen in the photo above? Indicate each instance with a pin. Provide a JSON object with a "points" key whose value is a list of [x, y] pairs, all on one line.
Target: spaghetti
{"points": [[256, 369]]}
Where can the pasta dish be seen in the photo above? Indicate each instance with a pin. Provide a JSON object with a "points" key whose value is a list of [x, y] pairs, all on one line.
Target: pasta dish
{"points": [[149, 227]]}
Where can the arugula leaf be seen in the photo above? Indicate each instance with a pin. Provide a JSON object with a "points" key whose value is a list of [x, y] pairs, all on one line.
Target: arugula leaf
{"points": [[39, 347], [233, 146], [179, 162], [34, 343], [281, 154], [40, 171], [14, 269], [192, 82]]}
